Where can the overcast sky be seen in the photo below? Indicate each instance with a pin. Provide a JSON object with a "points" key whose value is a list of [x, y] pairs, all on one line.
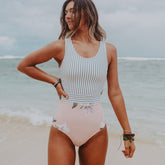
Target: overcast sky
{"points": [[135, 27]]}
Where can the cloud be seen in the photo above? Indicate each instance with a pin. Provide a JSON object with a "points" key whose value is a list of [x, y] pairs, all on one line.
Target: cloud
{"points": [[110, 6], [135, 33], [7, 42], [38, 19], [126, 19], [127, 22]]}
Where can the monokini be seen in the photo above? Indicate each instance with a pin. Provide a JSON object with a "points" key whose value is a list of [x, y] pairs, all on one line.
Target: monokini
{"points": [[81, 115]]}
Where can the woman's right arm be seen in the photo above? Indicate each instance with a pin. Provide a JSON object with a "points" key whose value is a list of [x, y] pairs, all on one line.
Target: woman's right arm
{"points": [[28, 64]]}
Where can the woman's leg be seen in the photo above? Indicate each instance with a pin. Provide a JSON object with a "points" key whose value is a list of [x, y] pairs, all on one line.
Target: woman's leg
{"points": [[95, 149], [61, 150]]}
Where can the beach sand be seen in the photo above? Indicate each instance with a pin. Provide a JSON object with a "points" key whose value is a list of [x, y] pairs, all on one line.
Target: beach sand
{"points": [[26, 144]]}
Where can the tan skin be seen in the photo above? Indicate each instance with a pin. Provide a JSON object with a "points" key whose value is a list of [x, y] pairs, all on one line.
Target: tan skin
{"points": [[61, 150]]}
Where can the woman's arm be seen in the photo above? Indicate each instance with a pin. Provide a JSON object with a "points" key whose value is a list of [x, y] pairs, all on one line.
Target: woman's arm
{"points": [[28, 64], [117, 100], [114, 91]]}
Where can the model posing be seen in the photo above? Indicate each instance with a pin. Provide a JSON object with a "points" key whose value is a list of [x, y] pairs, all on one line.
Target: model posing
{"points": [[85, 61]]}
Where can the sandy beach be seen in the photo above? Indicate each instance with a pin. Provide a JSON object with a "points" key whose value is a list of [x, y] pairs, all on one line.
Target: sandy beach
{"points": [[27, 144]]}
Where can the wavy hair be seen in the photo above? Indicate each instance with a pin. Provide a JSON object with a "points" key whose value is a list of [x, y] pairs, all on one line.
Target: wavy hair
{"points": [[91, 19]]}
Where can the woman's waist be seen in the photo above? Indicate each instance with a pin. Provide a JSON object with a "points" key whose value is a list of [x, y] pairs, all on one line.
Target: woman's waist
{"points": [[68, 105], [81, 99]]}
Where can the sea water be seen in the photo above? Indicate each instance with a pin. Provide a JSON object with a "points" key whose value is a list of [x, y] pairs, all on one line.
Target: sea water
{"points": [[142, 82]]}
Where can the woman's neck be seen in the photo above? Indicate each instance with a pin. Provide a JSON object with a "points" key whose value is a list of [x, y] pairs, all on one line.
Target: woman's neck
{"points": [[82, 35]]}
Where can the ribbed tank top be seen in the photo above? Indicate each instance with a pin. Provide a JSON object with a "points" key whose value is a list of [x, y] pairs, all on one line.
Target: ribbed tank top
{"points": [[83, 78]]}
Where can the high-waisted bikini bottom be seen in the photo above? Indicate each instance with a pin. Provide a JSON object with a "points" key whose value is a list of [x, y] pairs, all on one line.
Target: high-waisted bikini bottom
{"points": [[79, 121]]}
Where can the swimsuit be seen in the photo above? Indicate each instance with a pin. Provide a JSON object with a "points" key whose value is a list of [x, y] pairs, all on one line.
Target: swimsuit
{"points": [[81, 116]]}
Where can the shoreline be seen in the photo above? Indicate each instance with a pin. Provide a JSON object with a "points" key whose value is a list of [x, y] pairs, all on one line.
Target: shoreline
{"points": [[6, 119], [27, 144]]}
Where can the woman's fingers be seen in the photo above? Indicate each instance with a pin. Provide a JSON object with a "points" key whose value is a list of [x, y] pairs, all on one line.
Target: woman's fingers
{"points": [[126, 144], [129, 149], [132, 149], [60, 92], [64, 94]]}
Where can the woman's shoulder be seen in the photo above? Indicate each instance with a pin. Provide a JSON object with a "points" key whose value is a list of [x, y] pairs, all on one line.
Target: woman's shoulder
{"points": [[111, 51], [58, 44], [56, 48], [110, 47]]}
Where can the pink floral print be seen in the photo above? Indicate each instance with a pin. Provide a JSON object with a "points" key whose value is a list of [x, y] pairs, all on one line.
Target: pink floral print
{"points": [[87, 107], [62, 127]]}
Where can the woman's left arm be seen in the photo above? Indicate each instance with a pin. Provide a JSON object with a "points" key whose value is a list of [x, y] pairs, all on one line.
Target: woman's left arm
{"points": [[116, 98]]}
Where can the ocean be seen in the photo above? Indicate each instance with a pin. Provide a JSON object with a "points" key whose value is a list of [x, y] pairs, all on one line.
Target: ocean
{"points": [[142, 81]]}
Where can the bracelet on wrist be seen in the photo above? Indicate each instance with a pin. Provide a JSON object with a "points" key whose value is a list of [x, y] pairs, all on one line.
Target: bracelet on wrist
{"points": [[56, 83], [132, 139], [129, 137], [127, 131]]}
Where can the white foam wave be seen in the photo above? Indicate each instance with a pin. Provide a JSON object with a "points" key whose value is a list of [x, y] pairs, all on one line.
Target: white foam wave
{"points": [[122, 58], [10, 57], [141, 59], [35, 118]]}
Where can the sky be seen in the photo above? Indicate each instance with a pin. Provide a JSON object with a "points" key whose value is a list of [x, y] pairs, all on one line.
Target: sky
{"points": [[135, 27]]}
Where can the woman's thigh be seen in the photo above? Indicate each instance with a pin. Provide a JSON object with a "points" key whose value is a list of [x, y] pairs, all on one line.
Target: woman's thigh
{"points": [[61, 150], [95, 149]]}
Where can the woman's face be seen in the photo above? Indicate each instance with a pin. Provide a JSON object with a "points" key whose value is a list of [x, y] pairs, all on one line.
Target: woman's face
{"points": [[69, 16]]}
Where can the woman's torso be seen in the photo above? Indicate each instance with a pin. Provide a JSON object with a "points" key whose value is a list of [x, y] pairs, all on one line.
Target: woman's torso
{"points": [[83, 78]]}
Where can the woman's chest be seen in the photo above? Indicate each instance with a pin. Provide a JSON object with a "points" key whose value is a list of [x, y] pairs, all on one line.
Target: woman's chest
{"points": [[84, 69]]}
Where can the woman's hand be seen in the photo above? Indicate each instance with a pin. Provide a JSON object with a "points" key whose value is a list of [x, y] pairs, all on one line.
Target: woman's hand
{"points": [[60, 91], [129, 149]]}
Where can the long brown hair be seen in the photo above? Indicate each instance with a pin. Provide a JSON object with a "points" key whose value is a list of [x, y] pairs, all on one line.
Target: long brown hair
{"points": [[91, 18]]}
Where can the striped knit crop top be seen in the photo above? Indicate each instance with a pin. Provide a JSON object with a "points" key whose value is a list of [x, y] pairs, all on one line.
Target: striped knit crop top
{"points": [[83, 78]]}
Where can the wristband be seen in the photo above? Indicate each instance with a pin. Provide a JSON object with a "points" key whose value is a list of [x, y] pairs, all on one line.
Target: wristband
{"points": [[129, 137], [55, 84], [127, 131]]}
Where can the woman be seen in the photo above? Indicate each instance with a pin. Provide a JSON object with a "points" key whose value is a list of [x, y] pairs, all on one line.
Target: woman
{"points": [[85, 62]]}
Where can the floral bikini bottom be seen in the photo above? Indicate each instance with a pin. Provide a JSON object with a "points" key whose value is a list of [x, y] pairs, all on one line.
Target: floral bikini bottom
{"points": [[79, 121]]}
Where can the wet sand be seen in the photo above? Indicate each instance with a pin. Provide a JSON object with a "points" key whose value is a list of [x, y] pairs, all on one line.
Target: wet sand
{"points": [[26, 144]]}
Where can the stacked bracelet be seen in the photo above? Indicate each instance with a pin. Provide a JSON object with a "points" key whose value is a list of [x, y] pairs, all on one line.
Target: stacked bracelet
{"points": [[55, 84], [129, 137], [127, 131]]}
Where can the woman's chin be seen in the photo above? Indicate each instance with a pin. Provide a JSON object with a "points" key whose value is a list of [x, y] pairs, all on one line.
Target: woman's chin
{"points": [[70, 26]]}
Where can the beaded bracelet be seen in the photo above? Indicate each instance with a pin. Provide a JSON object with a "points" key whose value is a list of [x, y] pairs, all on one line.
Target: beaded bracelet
{"points": [[127, 131], [55, 84], [129, 137]]}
